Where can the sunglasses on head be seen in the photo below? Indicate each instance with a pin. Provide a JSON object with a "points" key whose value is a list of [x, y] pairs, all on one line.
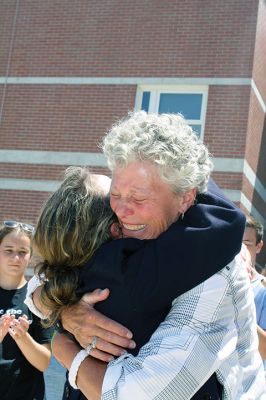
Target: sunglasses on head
{"points": [[16, 224]]}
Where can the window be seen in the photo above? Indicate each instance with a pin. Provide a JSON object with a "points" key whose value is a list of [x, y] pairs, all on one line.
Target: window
{"points": [[190, 101]]}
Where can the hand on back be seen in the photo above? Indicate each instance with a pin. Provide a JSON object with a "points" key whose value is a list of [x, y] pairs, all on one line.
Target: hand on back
{"points": [[85, 323]]}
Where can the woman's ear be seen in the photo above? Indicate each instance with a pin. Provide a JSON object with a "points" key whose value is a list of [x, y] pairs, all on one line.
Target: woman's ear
{"points": [[259, 247], [187, 200]]}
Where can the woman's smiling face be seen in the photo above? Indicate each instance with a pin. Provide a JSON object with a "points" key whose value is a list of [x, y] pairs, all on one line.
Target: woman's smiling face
{"points": [[143, 203]]}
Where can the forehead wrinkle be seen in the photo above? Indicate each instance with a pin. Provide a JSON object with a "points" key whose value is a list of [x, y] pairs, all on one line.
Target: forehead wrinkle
{"points": [[132, 189]]}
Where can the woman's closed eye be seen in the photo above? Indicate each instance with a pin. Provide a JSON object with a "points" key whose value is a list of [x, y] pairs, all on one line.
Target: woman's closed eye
{"points": [[115, 195], [136, 199], [139, 199]]}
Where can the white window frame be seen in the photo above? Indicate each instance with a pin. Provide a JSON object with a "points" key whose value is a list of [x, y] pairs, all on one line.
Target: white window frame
{"points": [[156, 90]]}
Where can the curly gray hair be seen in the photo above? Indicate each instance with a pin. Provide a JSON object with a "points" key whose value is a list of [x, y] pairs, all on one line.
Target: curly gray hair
{"points": [[165, 140]]}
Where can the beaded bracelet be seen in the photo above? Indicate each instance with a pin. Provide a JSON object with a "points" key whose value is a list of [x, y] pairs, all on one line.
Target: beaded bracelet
{"points": [[72, 374]]}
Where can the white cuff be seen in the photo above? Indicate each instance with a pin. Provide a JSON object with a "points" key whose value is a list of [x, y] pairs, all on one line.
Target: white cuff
{"points": [[72, 374], [33, 284]]}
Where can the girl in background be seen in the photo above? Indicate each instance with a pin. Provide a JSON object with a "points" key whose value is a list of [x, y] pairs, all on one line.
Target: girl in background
{"points": [[24, 343]]}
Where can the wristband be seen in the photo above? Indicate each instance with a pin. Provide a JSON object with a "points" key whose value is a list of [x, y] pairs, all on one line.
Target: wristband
{"points": [[73, 370], [33, 284]]}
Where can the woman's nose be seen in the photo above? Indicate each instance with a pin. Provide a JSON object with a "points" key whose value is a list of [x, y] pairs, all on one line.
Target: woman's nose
{"points": [[15, 255], [123, 209]]}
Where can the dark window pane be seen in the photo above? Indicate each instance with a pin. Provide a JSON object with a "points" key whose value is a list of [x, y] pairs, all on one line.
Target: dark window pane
{"points": [[145, 101], [189, 105]]}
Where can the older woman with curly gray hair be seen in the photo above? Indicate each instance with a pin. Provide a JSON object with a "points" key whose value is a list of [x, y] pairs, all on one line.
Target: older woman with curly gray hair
{"points": [[165, 140], [162, 150], [207, 345]]}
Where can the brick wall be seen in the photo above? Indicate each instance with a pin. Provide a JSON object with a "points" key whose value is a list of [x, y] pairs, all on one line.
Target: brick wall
{"points": [[62, 118], [129, 38], [259, 63], [226, 120]]}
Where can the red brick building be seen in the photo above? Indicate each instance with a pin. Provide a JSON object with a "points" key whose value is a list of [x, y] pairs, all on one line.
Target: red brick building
{"points": [[69, 69]]}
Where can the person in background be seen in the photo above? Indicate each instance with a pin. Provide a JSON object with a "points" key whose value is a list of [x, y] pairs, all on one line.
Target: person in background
{"points": [[24, 343], [262, 270], [253, 239], [210, 330]]}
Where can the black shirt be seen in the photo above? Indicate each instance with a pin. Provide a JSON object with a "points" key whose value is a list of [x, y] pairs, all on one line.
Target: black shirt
{"points": [[19, 380]]}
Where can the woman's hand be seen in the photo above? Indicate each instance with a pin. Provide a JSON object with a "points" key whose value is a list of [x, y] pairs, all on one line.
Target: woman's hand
{"points": [[5, 322], [85, 324], [19, 327]]}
